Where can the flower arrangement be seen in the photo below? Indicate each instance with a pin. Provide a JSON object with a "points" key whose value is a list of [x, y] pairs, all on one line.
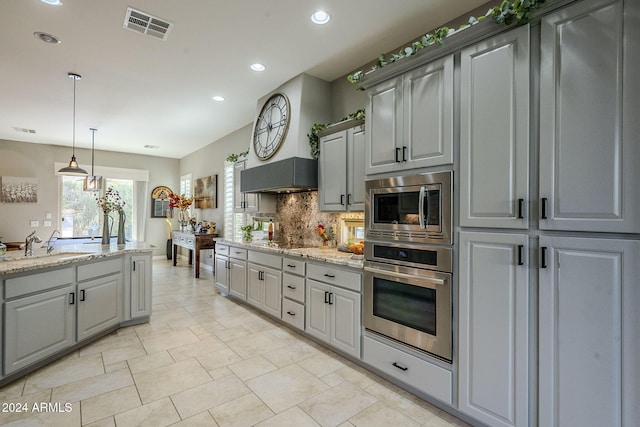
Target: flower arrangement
{"points": [[111, 201], [181, 201]]}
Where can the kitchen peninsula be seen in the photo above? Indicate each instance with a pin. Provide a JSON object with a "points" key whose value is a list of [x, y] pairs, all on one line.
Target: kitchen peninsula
{"points": [[57, 302]]}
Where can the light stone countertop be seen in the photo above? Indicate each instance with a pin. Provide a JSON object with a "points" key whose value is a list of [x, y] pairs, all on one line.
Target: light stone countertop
{"points": [[328, 255], [16, 262]]}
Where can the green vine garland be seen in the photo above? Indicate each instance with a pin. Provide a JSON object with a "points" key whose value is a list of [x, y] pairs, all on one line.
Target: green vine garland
{"points": [[317, 127], [234, 157], [507, 13]]}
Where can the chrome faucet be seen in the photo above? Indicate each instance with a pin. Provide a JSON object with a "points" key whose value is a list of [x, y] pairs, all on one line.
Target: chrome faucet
{"points": [[28, 243], [49, 247]]}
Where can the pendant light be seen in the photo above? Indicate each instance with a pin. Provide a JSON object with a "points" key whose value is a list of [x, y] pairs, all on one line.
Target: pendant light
{"points": [[92, 182], [73, 168]]}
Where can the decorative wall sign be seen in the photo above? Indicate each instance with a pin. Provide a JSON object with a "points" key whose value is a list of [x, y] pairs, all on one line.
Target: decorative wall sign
{"points": [[160, 202], [19, 190], [205, 192]]}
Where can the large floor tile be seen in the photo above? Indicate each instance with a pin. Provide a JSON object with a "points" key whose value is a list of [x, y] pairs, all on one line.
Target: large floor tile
{"points": [[165, 381], [93, 386], [251, 368], [64, 371], [337, 405], [247, 410], [157, 414], [108, 404], [381, 415], [291, 417], [286, 387], [206, 396]]}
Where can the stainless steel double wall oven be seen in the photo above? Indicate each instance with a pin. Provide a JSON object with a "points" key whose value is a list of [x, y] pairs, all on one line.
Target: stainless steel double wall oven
{"points": [[408, 260]]}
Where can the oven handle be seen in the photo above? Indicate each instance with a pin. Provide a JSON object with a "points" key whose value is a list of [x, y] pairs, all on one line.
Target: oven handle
{"points": [[403, 275], [421, 208]]}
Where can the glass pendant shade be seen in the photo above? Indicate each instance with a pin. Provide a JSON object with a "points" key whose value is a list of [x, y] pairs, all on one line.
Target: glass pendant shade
{"points": [[73, 169], [92, 183]]}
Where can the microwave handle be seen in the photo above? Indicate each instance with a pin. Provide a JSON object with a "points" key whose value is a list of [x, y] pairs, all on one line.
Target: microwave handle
{"points": [[421, 208]]}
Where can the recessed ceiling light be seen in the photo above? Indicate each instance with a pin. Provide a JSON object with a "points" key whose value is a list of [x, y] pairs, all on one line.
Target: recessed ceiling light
{"points": [[258, 67], [52, 2], [218, 98], [47, 38], [320, 17]]}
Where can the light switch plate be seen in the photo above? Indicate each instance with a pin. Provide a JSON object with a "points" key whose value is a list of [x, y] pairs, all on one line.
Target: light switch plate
{"points": [[34, 223], [46, 223]]}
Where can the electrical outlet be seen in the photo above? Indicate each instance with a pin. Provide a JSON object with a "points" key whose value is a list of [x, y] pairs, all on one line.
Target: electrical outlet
{"points": [[46, 223], [34, 223], [48, 216]]}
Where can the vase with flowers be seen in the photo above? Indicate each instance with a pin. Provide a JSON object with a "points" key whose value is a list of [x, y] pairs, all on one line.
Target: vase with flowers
{"points": [[182, 203], [111, 202]]}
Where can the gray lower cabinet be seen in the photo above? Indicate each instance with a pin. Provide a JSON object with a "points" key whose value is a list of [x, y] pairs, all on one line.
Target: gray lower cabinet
{"points": [[333, 315], [140, 282], [39, 325], [589, 360], [264, 289], [98, 305], [493, 361]]}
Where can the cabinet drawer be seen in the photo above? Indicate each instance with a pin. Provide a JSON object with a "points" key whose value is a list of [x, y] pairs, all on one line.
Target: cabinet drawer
{"points": [[237, 253], [293, 313], [101, 268], [270, 260], [222, 249], [293, 287], [420, 374], [38, 282], [329, 274], [294, 266]]}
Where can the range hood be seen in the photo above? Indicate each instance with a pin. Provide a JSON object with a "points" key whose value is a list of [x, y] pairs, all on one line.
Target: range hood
{"points": [[291, 175]]}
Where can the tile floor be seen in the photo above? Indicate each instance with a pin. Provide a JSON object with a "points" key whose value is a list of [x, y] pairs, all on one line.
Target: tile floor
{"points": [[204, 360]]}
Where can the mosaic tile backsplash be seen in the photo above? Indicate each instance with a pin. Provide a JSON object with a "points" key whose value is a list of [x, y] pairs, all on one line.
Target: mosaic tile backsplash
{"points": [[298, 216]]}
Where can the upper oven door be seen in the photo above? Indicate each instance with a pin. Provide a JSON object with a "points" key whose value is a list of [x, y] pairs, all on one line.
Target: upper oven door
{"points": [[414, 208]]}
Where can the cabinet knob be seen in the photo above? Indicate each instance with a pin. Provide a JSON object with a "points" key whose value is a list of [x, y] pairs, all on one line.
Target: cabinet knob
{"points": [[291, 313]]}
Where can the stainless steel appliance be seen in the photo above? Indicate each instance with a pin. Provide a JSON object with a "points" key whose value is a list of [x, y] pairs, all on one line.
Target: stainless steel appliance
{"points": [[414, 208], [407, 295]]}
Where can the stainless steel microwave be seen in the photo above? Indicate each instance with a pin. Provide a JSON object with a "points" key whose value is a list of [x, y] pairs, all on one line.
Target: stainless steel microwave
{"points": [[415, 208]]}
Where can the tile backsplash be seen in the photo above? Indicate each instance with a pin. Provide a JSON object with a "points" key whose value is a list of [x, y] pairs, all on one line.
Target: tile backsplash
{"points": [[298, 217]]}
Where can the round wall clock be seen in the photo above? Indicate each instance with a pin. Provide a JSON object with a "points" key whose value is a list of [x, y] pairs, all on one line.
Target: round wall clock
{"points": [[271, 126]]}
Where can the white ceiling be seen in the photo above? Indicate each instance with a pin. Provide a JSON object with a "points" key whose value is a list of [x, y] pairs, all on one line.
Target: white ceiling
{"points": [[137, 90]]}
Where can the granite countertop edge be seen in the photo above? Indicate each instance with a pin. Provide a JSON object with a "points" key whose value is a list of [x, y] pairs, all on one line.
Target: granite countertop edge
{"points": [[328, 255], [66, 254]]}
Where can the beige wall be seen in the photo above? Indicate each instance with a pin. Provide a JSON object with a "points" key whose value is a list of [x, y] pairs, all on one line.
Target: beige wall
{"points": [[22, 159]]}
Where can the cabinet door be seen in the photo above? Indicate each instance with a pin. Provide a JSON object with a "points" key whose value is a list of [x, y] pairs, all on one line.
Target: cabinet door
{"points": [[272, 283], [494, 132], [384, 127], [356, 194], [589, 112], [238, 278], [99, 305], [494, 314], [222, 273], [589, 359], [38, 326], [317, 310], [332, 179], [345, 320], [141, 286], [238, 197], [428, 115], [255, 290]]}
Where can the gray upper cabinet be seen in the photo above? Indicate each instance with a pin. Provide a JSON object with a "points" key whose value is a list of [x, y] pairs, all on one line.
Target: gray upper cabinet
{"points": [[494, 132], [410, 120], [589, 112], [341, 171], [242, 202]]}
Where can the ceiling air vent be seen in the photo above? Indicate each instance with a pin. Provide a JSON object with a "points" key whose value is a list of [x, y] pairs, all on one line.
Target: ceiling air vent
{"points": [[143, 23], [25, 130]]}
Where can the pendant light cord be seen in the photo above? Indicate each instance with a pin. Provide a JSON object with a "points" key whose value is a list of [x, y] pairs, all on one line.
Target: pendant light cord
{"points": [[74, 116], [93, 140]]}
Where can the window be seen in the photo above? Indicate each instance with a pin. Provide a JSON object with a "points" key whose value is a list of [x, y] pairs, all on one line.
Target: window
{"points": [[185, 188], [232, 220], [80, 215]]}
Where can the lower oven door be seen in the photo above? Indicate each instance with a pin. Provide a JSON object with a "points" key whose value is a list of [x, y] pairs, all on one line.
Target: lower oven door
{"points": [[410, 305]]}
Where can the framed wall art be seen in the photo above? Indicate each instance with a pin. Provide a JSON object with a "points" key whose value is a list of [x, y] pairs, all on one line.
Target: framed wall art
{"points": [[205, 192], [19, 190]]}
